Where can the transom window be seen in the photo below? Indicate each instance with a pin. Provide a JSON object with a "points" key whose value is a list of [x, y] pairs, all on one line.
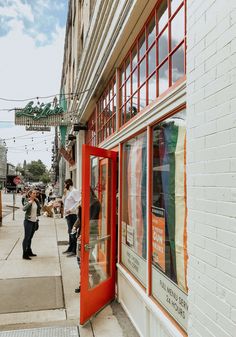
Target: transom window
{"points": [[155, 63], [107, 112], [157, 59], [90, 137]]}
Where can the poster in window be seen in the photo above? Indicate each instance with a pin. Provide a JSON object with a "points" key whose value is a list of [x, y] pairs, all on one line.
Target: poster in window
{"points": [[158, 237]]}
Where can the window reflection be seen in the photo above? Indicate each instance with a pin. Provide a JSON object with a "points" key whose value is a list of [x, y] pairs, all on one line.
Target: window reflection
{"points": [[128, 90], [142, 97], [134, 193], [162, 14], [152, 89], [128, 111], [169, 200], [152, 60], [163, 46], [127, 68], [163, 78], [135, 80], [142, 46], [178, 64], [174, 5], [142, 71], [152, 55], [134, 57], [177, 29], [151, 31]]}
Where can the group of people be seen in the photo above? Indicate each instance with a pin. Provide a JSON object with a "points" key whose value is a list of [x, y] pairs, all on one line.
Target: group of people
{"points": [[72, 213]]}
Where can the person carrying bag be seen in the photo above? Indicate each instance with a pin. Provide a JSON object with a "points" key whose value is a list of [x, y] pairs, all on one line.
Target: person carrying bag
{"points": [[32, 211]]}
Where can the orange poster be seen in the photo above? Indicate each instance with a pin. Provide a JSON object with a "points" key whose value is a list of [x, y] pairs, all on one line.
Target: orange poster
{"points": [[158, 237]]}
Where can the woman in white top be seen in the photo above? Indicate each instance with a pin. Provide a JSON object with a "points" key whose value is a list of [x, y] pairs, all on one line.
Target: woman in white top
{"points": [[32, 211]]}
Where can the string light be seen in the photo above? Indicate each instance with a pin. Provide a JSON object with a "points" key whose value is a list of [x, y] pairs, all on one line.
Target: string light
{"points": [[40, 97]]}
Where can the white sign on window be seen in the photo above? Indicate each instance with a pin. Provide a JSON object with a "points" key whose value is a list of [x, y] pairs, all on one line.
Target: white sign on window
{"points": [[171, 297], [130, 235], [135, 263]]}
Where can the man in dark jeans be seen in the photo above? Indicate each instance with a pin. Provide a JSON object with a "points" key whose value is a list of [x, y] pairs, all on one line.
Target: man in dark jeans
{"points": [[71, 201]]}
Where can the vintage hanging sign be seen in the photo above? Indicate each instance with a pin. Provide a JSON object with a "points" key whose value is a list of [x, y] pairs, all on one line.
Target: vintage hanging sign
{"points": [[65, 154], [37, 128], [41, 115]]}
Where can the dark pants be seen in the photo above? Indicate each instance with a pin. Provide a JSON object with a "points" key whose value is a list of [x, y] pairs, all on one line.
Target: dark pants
{"points": [[71, 218], [29, 227]]}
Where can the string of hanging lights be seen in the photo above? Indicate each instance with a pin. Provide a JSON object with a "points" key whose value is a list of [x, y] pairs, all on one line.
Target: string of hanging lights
{"points": [[72, 95]]}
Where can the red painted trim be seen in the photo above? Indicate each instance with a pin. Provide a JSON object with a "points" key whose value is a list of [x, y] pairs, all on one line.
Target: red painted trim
{"points": [[149, 204], [91, 300]]}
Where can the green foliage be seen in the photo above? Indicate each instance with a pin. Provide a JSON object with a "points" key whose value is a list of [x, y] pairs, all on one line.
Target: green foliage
{"points": [[34, 171], [45, 178]]}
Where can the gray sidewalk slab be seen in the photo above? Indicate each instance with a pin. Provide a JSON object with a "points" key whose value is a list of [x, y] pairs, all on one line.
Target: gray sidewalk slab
{"points": [[40, 293]]}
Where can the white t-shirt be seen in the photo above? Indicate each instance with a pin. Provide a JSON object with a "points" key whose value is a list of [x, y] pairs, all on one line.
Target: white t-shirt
{"points": [[71, 201], [33, 215]]}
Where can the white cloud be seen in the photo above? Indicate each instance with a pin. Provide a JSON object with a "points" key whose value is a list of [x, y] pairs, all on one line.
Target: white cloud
{"points": [[17, 9], [28, 71]]}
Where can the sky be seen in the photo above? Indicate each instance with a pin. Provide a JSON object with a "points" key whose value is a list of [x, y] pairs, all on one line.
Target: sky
{"points": [[32, 34]]}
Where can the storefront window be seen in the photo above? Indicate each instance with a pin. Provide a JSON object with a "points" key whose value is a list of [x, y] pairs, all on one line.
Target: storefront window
{"points": [[134, 194], [169, 251]]}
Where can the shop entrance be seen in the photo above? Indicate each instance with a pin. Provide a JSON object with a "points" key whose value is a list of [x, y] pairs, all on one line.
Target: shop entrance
{"points": [[98, 236]]}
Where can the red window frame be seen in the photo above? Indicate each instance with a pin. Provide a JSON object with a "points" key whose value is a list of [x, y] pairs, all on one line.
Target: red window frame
{"points": [[106, 116], [91, 134], [135, 95]]}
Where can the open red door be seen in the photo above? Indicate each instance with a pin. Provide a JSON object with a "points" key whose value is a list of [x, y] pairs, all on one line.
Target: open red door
{"points": [[98, 235]]}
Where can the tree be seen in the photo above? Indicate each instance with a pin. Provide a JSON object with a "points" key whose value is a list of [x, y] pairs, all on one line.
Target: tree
{"points": [[45, 178], [36, 170]]}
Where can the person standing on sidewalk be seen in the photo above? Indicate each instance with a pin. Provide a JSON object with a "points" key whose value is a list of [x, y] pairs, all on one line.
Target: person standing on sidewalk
{"points": [[71, 201], [32, 211]]}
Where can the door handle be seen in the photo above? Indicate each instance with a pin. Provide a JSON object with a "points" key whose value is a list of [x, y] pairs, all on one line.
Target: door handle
{"points": [[92, 243]]}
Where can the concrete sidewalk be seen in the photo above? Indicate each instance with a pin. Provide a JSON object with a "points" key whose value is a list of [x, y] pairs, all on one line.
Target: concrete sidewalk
{"points": [[40, 293]]}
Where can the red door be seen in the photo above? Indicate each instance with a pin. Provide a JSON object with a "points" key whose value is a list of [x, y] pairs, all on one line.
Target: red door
{"points": [[98, 235]]}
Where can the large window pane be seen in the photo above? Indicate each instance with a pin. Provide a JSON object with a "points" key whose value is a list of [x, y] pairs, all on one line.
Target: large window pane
{"points": [[162, 15], [142, 71], [151, 31], [134, 194], [135, 104], [128, 89], [163, 46], [178, 64], [134, 58], [142, 97], [177, 29], [128, 111], [174, 5], [169, 251], [122, 115], [127, 71], [135, 80], [122, 75], [152, 89], [152, 60], [163, 78], [123, 95], [142, 46]]}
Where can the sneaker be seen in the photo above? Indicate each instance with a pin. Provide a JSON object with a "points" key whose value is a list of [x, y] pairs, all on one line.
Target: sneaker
{"points": [[71, 254], [66, 251]]}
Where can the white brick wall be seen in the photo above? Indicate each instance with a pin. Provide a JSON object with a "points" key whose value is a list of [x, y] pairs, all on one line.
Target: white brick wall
{"points": [[211, 167]]}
